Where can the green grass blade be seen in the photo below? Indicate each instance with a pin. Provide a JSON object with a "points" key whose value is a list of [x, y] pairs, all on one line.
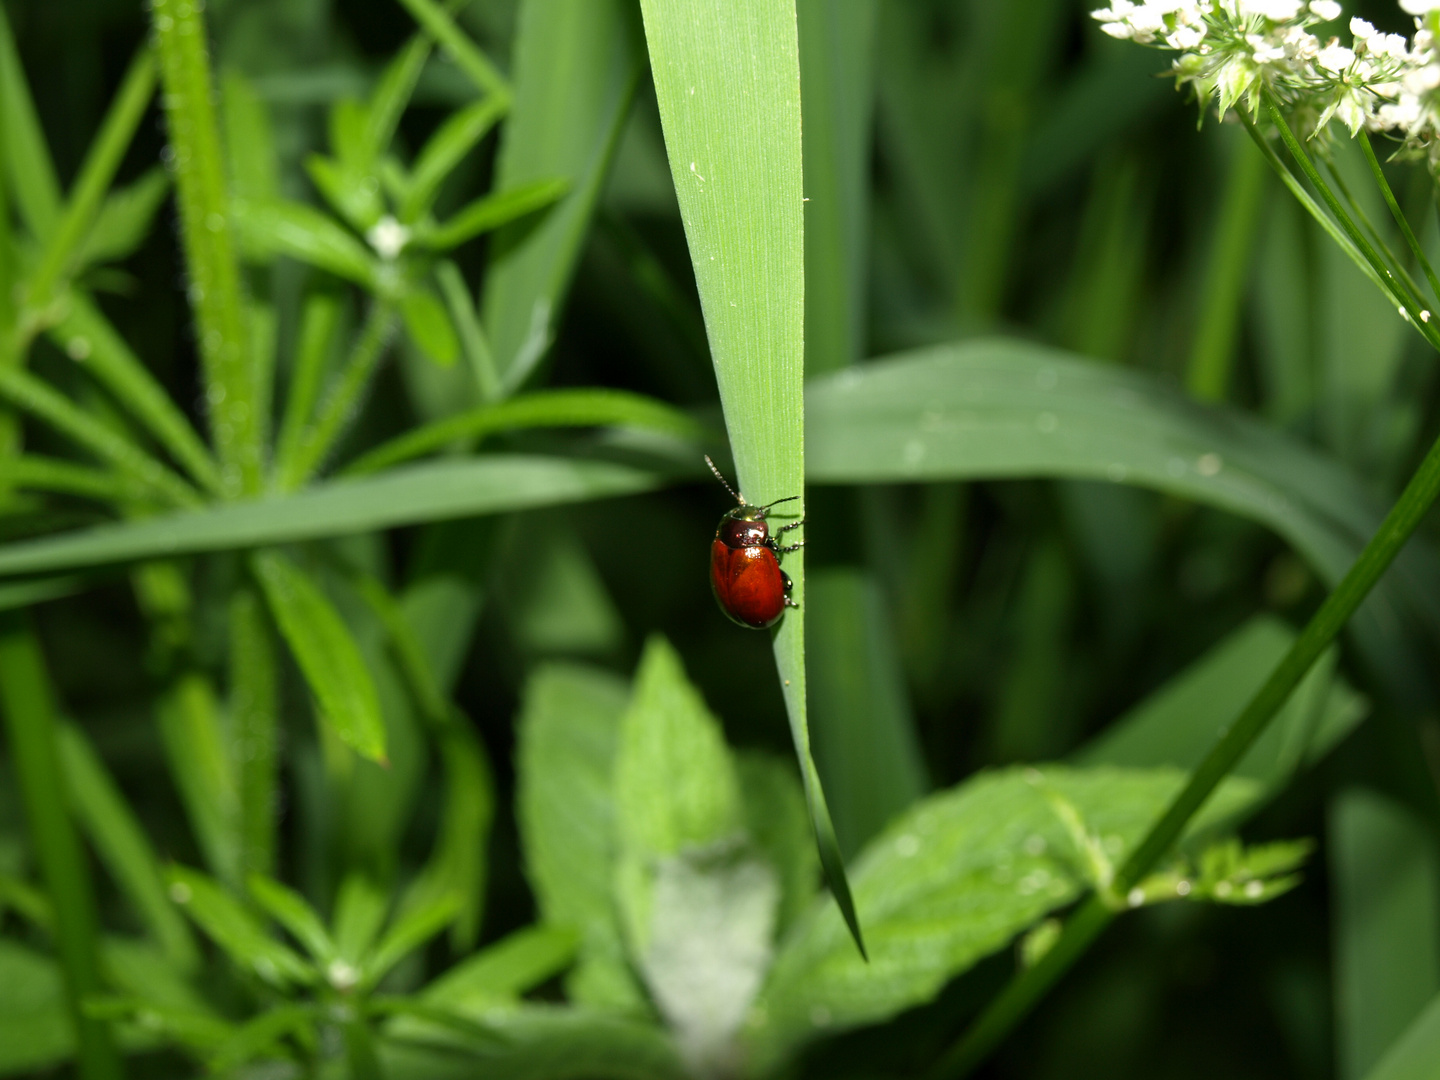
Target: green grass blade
{"points": [[195, 741], [28, 702], [468, 56], [249, 140], [837, 93], [36, 397], [318, 324], [228, 923], [215, 287], [35, 472], [492, 212], [85, 333], [1385, 892], [122, 845], [254, 708], [97, 172], [393, 91], [433, 492], [728, 83], [325, 653], [1227, 270], [289, 228], [544, 408], [124, 219], [27, 155], [1413, 1055], [294, 913], [576, 65]]}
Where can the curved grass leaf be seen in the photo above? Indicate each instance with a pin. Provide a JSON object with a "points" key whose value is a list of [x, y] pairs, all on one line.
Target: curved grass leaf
{"points": [[576, 64], [728, 82], [544, 408], [951, 881], [431, 492], [998, 409], [293, 912], [491, 212], [275, 228], [325, 652]]}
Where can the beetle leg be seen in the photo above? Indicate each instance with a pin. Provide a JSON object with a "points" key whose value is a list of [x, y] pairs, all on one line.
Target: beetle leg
{"points": [[788, 586], [789, 547], [787, 528]]}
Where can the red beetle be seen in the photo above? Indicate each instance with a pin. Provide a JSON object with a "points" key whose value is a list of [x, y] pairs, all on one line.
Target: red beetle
{"points": [[745, 572]]}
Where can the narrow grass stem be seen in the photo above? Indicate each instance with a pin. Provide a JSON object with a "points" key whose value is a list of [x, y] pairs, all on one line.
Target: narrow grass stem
{"points": [[1015, 1002], [1392, 260], [28, 701], [1400, 219], [465, 53], [343, 400], [1398, 294], [96, 175]]}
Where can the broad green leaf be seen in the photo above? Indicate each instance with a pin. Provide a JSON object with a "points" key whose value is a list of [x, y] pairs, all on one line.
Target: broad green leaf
{"points": [[543, 408], [35, 1026], [325, 652], [406, 496], [953, 880], [87, 336], [997, 409], [268, 229], [728, 84], [504, 970], [675, 783], [490, 212], [124, 219], [231, 926], [1385, 885], [1414, 1054], [454, 139], [865, 741], [576, 64], [1178, 723], [568, 737], [294, 913], [193, 735], [120, 841], [428, 324], [250, 150]]}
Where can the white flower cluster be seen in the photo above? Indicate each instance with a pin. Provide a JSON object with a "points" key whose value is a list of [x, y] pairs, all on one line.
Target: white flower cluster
{"points": [[1233, 50]]}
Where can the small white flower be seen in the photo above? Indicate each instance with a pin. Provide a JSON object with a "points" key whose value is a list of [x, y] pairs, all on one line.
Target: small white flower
{"points": [[1362, 30], [1274, 10], [388, 237], [1118, 30], [1391, 45], [1325, 10], [1419, 7], [1186, 38], [1300, 44], [1420, 81], [1116, 12], [1146, 22], [1335, 58], [1264, 50]]}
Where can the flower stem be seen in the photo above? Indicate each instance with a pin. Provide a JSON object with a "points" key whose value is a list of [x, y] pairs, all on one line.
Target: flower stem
{"points": [[1016, 1001], [1400, 220]]}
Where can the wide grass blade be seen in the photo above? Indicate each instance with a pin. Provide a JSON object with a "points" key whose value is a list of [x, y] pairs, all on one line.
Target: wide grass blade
{"points": [[408, 496], [728, 83], [1413, 1055], [27, 156], [576, 65]]}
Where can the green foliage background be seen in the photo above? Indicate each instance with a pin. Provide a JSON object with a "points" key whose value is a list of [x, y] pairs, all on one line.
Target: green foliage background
{"points": [[411, 651]]}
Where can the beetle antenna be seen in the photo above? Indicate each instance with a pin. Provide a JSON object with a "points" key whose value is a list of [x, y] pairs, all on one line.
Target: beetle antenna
{"points": [[737, 496], [777, 502]]}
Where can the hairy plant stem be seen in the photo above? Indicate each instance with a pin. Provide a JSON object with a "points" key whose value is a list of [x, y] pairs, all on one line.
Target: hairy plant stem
{"points": [[28, 701], [1026, 989]]}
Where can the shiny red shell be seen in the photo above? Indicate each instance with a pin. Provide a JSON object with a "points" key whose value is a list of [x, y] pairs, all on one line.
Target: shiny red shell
{"points": [[747, 583]]}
